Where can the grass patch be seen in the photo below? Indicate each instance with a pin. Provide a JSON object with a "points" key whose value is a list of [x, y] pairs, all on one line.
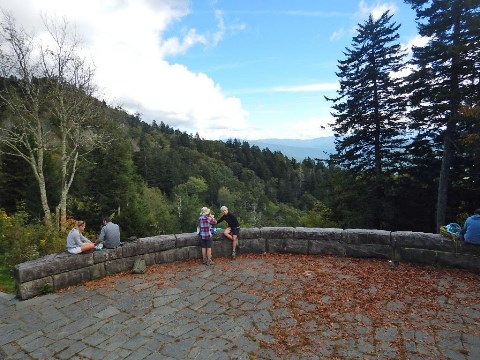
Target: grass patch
{"points": [[7, 282]]}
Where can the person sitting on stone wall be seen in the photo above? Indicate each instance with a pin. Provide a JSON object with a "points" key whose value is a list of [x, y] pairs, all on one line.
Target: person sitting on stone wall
{"points": [[471, 229], [76, 242], [233, 229], [109, 235]]}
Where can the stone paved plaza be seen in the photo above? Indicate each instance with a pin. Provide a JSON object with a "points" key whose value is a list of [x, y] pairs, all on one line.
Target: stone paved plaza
{"points": [[275, 306]]}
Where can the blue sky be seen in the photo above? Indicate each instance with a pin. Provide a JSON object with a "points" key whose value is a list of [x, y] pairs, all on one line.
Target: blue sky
{"points": [[248, 69]]}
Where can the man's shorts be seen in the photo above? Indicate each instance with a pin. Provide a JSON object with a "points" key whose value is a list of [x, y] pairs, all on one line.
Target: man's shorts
{"points": [[206, 243], [235, 231]]}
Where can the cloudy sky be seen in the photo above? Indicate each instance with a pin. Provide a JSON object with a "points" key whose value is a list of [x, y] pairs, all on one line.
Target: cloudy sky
{"points": [[247, 69]]}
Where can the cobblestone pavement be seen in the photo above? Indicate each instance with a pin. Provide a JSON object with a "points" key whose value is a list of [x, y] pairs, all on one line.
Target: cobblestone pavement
{"points": [[256, 307]]}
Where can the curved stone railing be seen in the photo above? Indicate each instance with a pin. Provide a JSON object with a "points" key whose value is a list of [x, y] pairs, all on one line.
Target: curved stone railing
{"points": [[58, 271]]}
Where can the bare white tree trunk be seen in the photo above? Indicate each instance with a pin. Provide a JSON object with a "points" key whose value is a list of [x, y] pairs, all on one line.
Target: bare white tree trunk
{"points": [[50, 98], [24, 132]]}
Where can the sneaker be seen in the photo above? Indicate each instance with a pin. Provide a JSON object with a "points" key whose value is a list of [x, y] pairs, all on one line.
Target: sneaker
{"points": [[210, 262], [204, 261], [234, 255]]}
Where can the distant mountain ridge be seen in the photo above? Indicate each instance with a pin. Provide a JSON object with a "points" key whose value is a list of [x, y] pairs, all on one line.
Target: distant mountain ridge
{"points": [[318, 148]]}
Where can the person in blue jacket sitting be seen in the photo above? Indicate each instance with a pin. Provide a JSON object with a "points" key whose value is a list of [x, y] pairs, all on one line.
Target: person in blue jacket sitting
{"points": [[471, 229]]}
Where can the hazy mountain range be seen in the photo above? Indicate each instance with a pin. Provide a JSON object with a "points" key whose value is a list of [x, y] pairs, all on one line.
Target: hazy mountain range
{"points": [[319, 148]]}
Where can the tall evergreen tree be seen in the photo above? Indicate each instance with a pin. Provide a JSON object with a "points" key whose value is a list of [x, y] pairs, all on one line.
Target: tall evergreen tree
{"points": [[446, 77], [369, 106]]}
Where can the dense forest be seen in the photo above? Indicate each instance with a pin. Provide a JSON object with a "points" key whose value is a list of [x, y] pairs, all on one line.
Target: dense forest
{"points": [[408, 153]]}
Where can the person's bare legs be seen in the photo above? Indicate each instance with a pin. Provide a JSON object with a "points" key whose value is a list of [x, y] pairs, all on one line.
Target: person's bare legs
{"points": [[87, 246], [234, 246], [204, 255], [227, 233], [234, 243], [234, 238], [209, 256]]}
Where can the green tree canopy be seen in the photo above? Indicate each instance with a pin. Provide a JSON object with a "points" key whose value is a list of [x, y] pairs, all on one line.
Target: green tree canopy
{"points": [[369, 106], [445, 78]]}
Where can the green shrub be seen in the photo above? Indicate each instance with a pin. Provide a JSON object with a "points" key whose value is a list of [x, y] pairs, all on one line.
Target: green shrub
{"points": [[23, 240], [46, 289], [7, 282], [320, 216]]}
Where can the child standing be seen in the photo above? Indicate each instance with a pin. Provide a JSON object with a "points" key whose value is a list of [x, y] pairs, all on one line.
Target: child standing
{"points": [[204, 223]]}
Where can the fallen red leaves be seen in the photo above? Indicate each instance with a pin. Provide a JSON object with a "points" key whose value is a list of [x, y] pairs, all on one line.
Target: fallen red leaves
{"points": [[366, 292], [326, 298]]}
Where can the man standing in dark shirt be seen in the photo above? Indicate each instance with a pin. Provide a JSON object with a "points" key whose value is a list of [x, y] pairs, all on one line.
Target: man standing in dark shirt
{"points": [[233, 229]]}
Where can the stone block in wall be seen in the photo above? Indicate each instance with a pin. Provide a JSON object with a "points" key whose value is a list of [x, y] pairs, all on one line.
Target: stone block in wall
{"points": [[409, 239], [166, 256], [150, 259], [98, 271], [78, 276], [466, 248], [318, 233], [35, 287], [296, 246], [183, 253], [119, 265], [419, 256], [134, 248], [326, 247], [107, 255], [277, 232], [362, 236], [275, 245], [194, 252], [369, 251], [249, 245], [51, 265], [248, 233], [464, 261], [158, 243], [222, 248], [218, 236], [188, 239]]}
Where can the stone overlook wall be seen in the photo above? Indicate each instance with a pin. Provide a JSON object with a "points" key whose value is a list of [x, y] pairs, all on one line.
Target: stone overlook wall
{"points": [[58, 271]]}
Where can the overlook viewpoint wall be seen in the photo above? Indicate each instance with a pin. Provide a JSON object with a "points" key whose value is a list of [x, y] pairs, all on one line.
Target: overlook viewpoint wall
{"points": [[57, 271]]}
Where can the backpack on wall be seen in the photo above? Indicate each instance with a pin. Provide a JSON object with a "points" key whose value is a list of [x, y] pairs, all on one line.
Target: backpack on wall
{"points": [[452, 231]]}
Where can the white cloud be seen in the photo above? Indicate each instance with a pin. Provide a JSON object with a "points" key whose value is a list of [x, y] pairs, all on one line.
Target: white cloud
{"points": [[126, 39], [418, 41], [301, 130], [308, 88], [218, 36], [174, 45], [338, 34], [319, 87], [310, 128], [376, 9], [405, 71]]}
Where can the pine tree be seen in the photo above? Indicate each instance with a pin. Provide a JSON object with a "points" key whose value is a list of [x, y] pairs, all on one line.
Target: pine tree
{"points": [[446, 77], [369, 107]]}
